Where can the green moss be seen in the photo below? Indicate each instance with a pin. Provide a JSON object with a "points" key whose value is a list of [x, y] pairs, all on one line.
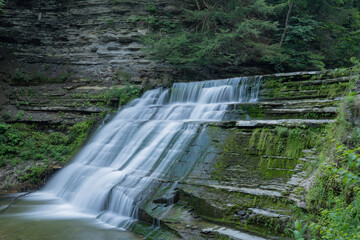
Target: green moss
{"points": [[230, 146], [20, 78], [122, 76], [283, 88], [252, 111], [281, 141], [151, 232]]}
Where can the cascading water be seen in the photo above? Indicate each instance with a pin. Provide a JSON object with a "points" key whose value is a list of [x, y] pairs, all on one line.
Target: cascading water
{"points": [[132, 152]]}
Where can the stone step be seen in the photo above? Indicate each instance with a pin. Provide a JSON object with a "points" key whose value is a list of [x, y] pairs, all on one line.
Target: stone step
{"points": [[230, 233], [279, 111], [87, 110], [313, 83], [305, 75], [49, 118], [273, 123]]}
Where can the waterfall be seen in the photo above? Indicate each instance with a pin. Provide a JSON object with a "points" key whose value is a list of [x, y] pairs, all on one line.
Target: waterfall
{"points": [[128, 156]]}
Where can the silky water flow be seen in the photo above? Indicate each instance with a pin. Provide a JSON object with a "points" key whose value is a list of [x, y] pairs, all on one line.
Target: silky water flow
{"points": [[127, 156]]}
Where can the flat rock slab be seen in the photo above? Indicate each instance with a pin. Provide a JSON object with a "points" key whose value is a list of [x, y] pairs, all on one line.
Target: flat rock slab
{"points": [[234, 234], [251, 191], [282, 122]]}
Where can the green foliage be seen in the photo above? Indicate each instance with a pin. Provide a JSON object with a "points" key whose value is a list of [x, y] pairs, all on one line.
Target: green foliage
{"points": [[123, 95], [25, 79], [299, 231], [111, 22], [155, 20], [78, 133], [229, 34], [2, 5], [123, 76], [319, 33], [220, 35], [26, 143], [334, 199], [34, 175]]}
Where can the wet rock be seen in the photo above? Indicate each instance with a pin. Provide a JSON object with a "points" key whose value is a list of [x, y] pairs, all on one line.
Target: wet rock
{"points": [[242, 214]]}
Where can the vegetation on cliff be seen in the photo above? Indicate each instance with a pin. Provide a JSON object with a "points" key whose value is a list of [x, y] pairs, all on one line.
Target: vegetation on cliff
{"points": [[334, 199], [33, 152], [333, 202], [31, 149], [260, 36], [2, 4]]}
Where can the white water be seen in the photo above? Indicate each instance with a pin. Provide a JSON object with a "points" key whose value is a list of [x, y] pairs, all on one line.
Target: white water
{"points": [[126, 157]]}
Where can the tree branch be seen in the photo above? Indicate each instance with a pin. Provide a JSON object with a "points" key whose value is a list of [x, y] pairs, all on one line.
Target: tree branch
{"points": [[198, 5], [291, 4], [206, 5], [13, 201]]}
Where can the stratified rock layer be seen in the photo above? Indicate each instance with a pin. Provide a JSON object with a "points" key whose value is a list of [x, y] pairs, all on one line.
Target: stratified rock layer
{"points": [[89, 38], [248, 173]]}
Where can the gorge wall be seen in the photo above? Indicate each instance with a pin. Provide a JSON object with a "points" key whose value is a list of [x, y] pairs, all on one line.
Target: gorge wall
{"points": [[251, 175], [87, 39], [58, 60], [64, 63]]}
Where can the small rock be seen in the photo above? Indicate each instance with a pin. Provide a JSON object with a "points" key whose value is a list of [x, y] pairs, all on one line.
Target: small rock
{"points": [[307, 151], [284, 219], [241, 213], [207, 231], [113, 48], [302, 205], [93, 49]]}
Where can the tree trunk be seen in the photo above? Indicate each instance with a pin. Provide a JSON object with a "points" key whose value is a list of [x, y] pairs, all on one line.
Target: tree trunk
{"points": [[198, 5], [291, 4]]}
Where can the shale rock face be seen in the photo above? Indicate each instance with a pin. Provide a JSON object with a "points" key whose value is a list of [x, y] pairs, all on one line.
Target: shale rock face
{"points": [[96, 39], [242, 178]]}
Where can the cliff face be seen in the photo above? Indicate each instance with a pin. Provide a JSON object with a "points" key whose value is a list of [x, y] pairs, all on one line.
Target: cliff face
{"points": [[253, 175], [58, 60], [91, 38]]}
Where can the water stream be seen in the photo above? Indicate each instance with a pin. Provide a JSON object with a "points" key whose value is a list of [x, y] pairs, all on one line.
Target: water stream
{"points": [[129, 155]]}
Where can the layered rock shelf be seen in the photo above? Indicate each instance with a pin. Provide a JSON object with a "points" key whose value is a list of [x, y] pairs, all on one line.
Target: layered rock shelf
{"points": [[94, 39], [250, 173]]}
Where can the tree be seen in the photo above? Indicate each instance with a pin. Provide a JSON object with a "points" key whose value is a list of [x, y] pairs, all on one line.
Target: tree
{"points": [[291, 4], [217, 34], [316, 34], [2, 4], [220, 35]]}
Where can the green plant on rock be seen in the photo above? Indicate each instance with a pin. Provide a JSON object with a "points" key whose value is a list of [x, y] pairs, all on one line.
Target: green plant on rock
{"points": [[333, 202], [122, 94], [2, 5], [111, 22], [299, 231], [155, 20], [22, 77], [34, 175], [29, 144], [123, 76]]}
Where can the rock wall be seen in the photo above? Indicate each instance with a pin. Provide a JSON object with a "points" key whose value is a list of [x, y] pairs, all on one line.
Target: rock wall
{"points": [[96, 39], [64, 55], [243, 178]]}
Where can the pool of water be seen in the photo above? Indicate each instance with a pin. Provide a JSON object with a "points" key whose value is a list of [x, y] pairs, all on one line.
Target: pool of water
{"points": [[38, 217]]}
